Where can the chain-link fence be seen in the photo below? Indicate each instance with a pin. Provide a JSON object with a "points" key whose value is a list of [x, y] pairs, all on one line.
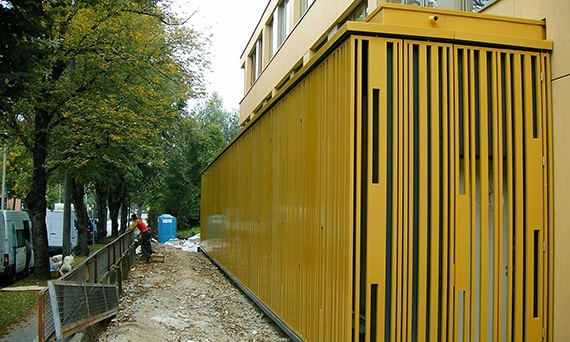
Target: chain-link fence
{"points": [[98, 265], [76, 306], [79, 298], [46, 330]]}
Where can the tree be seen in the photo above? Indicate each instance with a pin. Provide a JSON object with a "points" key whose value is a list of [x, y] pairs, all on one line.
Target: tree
{"points": [[77, 196], [210, 112], [194, 140], [99, 77]]}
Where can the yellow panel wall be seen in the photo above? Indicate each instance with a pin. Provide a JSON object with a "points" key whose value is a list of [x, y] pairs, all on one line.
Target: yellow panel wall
{"points": [[458, 189], [555, 14], [400, 190], [278, 203]]}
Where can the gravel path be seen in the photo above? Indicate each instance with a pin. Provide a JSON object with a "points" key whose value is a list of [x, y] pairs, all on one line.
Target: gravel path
{"points": [[186, 298]]}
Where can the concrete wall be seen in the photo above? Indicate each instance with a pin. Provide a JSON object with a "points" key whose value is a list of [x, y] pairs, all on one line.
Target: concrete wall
{"points": [[557, 16]]}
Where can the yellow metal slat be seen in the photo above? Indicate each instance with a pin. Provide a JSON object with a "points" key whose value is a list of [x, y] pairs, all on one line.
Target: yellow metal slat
{"points": [[497, 199], [402, 202], [408, 198], [447, 159], [463, 209], [519, 205], [509, 190], [473, 299], [397, 74], [358, 180], [437, 85], [534, 206], [484, 270], [546, 91], [376, 237], [420, 281]]}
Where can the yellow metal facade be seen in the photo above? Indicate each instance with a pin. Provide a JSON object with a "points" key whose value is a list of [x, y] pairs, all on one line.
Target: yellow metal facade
{"points": [[457, 220], [398, 189], [279, 203]]}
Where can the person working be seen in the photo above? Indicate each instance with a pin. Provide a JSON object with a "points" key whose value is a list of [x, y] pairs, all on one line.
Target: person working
{"points": [[145, 234]]}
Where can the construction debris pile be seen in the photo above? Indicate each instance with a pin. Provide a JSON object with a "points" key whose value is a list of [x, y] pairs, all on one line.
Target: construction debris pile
{"points": [[188, 245], [59, 263]]}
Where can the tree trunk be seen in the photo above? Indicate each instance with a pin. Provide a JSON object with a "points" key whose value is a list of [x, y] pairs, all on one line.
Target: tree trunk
{"points": [[124, 216], [114, 213], [116, 196], [101, 194], [77, 198], [36, 198]]}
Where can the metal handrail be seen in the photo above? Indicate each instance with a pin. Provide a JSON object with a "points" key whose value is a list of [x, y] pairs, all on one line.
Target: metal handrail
{"points": [[89, 270]]}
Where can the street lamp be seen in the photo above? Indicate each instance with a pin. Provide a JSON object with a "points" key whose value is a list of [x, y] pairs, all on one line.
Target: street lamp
{"points": [[4, 179], [5, 136]]}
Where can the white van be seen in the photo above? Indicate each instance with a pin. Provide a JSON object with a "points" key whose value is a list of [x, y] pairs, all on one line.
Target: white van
{"points": [[15, 227], [54, 222]]}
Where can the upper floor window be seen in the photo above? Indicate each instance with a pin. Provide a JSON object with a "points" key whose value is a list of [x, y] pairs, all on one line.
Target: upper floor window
{"points": [[279, 26], [274, 36], [305, 4], [465, 5], [283, 15], [426, 3], [256, 60], [477, 5], [270, 40], [359, 13]]}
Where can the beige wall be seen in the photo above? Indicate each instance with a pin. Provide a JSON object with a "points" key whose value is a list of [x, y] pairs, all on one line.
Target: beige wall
{"points": [[320, 18], [557, 14], [561, 122]]}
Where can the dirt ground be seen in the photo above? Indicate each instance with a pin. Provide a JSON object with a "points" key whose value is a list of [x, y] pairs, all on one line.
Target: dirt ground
{"points": [[186, 298]]}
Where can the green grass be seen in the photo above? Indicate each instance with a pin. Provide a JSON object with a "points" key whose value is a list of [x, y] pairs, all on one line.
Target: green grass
{"points": [[187, 232], [16, 305]]}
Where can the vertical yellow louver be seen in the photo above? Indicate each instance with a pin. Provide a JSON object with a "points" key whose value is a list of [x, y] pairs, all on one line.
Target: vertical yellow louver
{"points": [[278, 205], [457, 196]]}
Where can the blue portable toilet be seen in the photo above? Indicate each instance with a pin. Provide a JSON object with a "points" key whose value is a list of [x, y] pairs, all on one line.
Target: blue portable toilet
{"points": [[166, 227]]}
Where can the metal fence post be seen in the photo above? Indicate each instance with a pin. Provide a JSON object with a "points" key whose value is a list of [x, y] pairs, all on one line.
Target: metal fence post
{"points": [[41, 315], [55, 310]]}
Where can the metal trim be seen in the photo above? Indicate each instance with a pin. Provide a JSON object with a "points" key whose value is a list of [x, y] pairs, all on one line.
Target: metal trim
{"points": [[251, 296]]}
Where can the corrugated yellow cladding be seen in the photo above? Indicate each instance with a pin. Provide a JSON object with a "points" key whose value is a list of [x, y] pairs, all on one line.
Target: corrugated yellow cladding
{"points": [[279, 204], [457, 194], [401, 190]]}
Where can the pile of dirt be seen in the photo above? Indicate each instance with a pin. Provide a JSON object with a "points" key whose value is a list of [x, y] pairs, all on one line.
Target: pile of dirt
{"points": [[186, 298]]}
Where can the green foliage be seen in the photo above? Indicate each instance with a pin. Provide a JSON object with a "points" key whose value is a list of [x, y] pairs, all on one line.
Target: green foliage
{"points": [[211, 113], [186, 233], [18, 167], [22, 52], [90, 88], [194, 141], [134, 85]]}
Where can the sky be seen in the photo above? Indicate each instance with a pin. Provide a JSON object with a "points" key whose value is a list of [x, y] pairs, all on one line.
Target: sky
{"points": [[231, 23]]}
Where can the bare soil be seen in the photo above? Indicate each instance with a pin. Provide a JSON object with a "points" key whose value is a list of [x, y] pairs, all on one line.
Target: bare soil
{"points": [[186, 298]]}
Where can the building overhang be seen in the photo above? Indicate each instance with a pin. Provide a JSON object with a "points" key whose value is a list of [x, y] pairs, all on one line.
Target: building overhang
{"points": [[422, 23]]}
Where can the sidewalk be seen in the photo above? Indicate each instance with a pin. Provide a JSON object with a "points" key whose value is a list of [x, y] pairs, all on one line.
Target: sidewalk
{"points": [[24, 331], [27, 331]]}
